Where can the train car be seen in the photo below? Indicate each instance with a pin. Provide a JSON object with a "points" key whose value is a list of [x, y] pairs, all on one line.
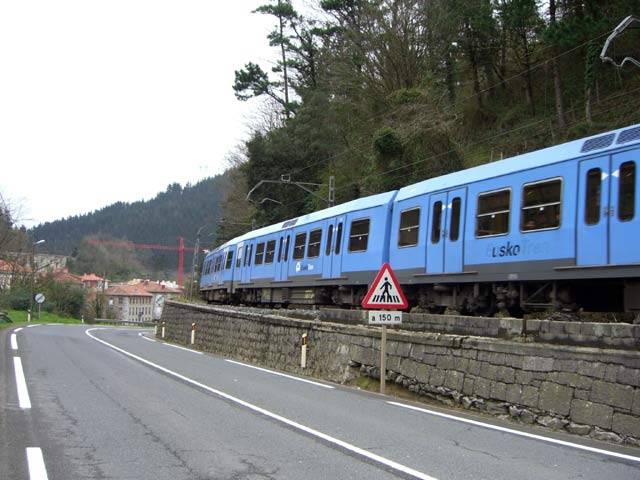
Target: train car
{"points": [[319, 258], [553, 228], [543, 230]]}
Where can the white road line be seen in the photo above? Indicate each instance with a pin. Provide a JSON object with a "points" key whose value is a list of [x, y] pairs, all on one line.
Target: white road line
{"points": [[21, 384], [33, 325], [518, 432], [37, 469], [146, 338], [281, 374], [323, 436], [182, 348], [14, 342], [17, 330]]}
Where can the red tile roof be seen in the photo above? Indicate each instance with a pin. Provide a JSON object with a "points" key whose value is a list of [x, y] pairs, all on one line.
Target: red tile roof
{"points": [[127, 291], [63, 275], [157, 287], [91, 277], [12, 267]]}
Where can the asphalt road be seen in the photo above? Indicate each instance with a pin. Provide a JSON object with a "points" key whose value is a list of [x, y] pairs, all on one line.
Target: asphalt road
{"points": [[108, 403]]}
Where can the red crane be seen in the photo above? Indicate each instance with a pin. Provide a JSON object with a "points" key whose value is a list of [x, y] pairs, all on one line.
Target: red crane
{"points": [[180, 248]]}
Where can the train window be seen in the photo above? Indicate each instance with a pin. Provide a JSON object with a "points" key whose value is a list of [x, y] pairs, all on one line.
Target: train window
{"points": [[436, 223], [492, 217], [627, 192], [271, 251], [359, 235], [313, 249], [338, 238], [541, 205], [454, 225], [298, 246], [280, 250], [246, 255], [592, 198], [327, 250], [250, 256], [229, 262], [286, 248], [259, 254], [239, 258], [217, 264], [409, 228]]}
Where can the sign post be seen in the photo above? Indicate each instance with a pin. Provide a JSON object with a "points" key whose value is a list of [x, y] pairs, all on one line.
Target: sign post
{"points": [[387, 297], [39, 298]]}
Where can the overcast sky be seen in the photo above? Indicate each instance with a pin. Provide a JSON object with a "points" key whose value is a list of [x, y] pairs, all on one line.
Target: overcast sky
{"points": [[102, 101]]}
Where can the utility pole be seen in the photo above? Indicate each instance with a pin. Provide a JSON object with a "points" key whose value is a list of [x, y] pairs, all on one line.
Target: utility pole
{"points": [[33, 277], [194, 262], [331, 200]]}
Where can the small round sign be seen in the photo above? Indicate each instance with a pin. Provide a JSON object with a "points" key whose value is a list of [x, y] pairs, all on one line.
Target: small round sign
{"points": [[39, 298]]}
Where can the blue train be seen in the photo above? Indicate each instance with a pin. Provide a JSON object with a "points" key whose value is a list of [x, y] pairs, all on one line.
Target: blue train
{"points": [[555, 228]]}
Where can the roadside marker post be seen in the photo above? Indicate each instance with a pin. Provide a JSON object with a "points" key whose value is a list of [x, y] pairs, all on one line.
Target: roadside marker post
{"points": [[193, 333], [303, 352], [162, 330], [385, 294]]}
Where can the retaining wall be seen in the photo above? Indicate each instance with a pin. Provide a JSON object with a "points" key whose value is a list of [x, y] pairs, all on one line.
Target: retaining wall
{"points": [[585, 390]]}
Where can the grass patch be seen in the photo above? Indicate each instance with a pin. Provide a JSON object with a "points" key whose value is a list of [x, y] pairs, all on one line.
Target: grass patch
{"points": [[392, 389], [368, 383], [19, 317]]}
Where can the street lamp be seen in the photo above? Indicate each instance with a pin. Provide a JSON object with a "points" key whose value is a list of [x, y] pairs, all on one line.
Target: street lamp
{"points": [[194, 262], [33, 276]]}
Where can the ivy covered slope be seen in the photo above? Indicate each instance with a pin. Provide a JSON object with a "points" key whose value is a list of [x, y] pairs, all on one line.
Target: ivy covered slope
{"points": [[382, 93]]}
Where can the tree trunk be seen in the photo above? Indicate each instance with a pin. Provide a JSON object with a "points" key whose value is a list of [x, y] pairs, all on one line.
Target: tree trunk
{"points": [[476, 77], [557, 81], [284, 68], [587, 105], [451, 86], [527, 64]]}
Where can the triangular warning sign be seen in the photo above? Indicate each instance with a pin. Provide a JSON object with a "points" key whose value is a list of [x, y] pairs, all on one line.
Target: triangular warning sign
{"points": [[385, 291]]}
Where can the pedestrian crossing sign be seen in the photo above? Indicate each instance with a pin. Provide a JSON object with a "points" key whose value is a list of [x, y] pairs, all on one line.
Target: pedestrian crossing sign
{"points": [[385, 291]]}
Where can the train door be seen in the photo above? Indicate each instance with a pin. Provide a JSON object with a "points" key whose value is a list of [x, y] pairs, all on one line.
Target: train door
{"points": [[223, 262], [237, 269], [327, 251], [246, 262], [281, 258], [624, 226], [336, 255], [593, 212], [435, 230], [453, 233]]}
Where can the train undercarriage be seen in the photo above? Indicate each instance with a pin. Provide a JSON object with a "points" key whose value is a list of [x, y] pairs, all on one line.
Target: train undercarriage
{"points": [[477, 299]]}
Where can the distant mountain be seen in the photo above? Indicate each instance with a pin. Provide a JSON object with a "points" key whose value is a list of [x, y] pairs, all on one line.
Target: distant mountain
{"points": [[177, 212]]}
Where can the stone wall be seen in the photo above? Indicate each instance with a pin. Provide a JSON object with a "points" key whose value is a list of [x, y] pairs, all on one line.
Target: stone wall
{"points": [[587, 391], [588, 334]]}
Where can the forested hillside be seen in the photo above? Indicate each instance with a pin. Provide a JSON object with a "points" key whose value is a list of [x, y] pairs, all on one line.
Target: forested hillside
{"points": [[382, 93], [178, 211]]}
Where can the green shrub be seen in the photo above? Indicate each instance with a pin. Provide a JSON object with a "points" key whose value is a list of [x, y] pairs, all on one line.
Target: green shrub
{"points": [[15, 299]]}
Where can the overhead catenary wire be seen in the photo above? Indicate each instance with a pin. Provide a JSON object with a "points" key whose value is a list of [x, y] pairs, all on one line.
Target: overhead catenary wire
{"points": [[386, 173], [359, 148], [480, 141]]}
